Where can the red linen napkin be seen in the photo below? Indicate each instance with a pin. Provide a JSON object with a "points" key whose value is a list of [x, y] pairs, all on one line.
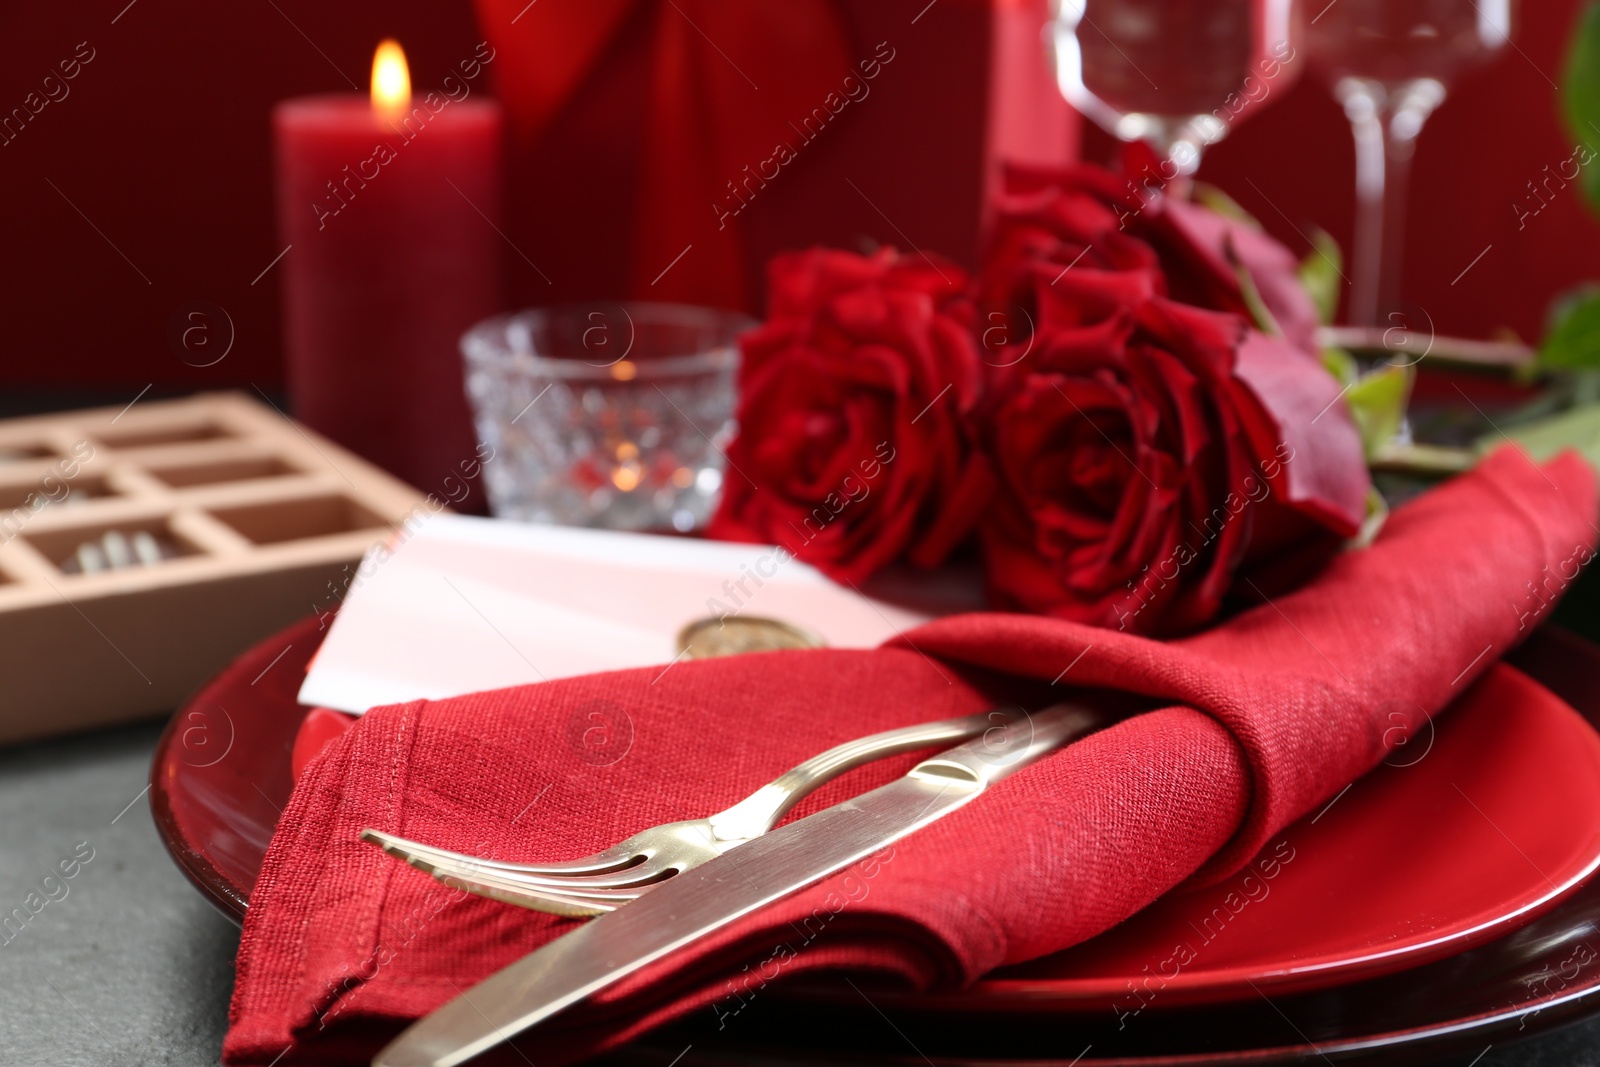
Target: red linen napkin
{"points": [[1280, 708]]}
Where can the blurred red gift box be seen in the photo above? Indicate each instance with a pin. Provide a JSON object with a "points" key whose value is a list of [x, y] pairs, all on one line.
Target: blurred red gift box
{"points": [[668, 150]]}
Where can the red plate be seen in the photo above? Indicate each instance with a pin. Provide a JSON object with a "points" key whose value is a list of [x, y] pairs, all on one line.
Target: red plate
{"points": [[221, 775], [1417, 861], [1469, 832]]}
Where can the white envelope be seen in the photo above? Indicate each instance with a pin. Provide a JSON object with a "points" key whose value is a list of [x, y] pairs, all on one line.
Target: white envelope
{"points": [[458, 605]]}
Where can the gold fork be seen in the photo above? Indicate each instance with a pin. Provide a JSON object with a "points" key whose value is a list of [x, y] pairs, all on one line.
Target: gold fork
{"points": [[591, 885]]}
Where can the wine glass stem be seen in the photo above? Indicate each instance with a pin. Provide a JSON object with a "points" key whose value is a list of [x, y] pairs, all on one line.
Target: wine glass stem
{"points": [[1385, 121]]}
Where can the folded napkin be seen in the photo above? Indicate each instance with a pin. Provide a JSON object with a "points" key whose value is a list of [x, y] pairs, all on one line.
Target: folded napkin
{"points": [[1255, 723]]}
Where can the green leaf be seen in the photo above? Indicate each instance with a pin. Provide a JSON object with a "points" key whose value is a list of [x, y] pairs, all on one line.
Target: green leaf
{"points": [[1378, 404], [1562, 304], [1580, 96], [1573, 342], [1578, 428], [1210, 196], [1342, 365], [1320, 274], [1372, 525], [1259, 312]]}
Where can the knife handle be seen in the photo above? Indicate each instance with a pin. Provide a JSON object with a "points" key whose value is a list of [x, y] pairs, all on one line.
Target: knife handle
{"points": [[1006, 748]]}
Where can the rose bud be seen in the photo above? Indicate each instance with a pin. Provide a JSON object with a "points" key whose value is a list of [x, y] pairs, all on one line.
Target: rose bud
{"points": [[1084, 217], [855, 445], [1148, 452]]}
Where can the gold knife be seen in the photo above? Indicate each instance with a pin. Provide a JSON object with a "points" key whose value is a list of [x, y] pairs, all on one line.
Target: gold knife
{"points": [[723, 890]]}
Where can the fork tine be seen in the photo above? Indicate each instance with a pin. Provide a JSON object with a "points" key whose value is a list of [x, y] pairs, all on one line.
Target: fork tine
{"points": [[489, 884], [512, 891], [549, 903], [442, 863], [509, 889], [636, 877], [504, 887], [621, 857]]}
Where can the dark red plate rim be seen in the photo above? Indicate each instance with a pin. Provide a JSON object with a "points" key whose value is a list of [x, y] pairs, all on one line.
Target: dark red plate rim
{"points": [[205, 724], [193, 863], [1567, 665]]}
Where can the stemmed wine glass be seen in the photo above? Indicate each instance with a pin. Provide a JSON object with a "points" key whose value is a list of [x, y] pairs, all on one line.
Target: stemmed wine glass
{"points": [[1390, 63], [1176, 74]]}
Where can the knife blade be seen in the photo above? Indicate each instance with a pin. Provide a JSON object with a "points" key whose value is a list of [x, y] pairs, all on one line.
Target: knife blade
{"points": [[721, 891]]}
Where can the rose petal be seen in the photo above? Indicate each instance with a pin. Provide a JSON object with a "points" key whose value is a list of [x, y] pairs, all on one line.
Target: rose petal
{"points": [[1296, 420], [1210, 245], [1074, 298]]}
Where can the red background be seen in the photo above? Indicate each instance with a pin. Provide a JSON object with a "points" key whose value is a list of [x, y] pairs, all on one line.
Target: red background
{"points": [[163, 146]]}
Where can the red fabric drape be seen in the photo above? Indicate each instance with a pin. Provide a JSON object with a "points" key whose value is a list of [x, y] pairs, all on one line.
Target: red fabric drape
{"points": [[715, 85]]}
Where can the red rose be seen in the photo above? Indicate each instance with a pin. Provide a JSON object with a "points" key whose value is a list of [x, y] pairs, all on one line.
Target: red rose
{"points": [[1146, 451], [1084, 217], [855, 396]]}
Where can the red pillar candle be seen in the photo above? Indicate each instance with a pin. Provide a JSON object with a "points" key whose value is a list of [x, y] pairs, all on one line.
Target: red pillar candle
{"points": [[390, 208]]}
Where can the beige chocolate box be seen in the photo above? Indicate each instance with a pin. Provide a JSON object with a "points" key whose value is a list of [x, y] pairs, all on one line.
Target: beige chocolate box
{"points": [[254, 519]]}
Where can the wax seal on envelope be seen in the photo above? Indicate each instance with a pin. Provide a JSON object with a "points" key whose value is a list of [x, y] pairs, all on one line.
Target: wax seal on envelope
{"points": [[729, 635]]}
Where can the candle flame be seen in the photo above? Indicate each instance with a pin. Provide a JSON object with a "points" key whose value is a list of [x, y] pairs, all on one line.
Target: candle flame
{"points": [[391, 78]]}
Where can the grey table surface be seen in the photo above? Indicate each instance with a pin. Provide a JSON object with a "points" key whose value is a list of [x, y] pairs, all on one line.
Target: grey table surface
{"points": [[126, 963]]}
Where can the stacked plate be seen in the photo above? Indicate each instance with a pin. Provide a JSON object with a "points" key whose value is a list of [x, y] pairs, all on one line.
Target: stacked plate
{"points": [[1438, 904]]}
